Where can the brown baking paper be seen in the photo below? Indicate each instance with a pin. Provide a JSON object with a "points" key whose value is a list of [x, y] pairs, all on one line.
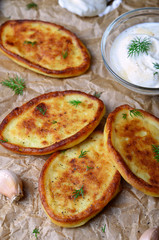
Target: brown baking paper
{"points": [[131, 212]]}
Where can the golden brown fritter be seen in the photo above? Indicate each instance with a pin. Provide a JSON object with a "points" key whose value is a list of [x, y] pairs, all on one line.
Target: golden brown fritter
{"points": [[52, 121], [131, 136], [44, 47], [77, 184]]}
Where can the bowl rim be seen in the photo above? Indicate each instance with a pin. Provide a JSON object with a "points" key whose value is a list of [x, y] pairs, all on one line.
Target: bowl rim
{"points": [[103, 40]]}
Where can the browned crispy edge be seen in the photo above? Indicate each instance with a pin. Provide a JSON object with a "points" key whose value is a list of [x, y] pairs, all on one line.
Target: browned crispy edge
{"points": [[66, 143], [67, 72], [119, 162], [84, 216]]}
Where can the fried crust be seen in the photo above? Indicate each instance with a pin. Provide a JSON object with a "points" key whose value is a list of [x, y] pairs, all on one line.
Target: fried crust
{"points": [[59, 124], [64, 172], [44, 47], [129, 141]]}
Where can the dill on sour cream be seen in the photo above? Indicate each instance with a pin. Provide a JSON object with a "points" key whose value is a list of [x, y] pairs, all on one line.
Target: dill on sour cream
{"points": [[134, 55]]}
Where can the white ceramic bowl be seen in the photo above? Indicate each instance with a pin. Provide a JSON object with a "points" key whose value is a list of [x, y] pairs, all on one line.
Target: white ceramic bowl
{"points": [[123, 22]]}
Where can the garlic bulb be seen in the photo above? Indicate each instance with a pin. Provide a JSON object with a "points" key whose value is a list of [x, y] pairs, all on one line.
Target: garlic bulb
{"points": [[83, 8], [150, 234], [10, 185]]}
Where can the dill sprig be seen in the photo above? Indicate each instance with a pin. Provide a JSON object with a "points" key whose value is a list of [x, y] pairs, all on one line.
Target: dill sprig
{"points": [[31, 5], [53, 122], [138, 45], [65, 54], [97, 94], [36, 231], [82, 154], [156, 65], [88, 168], [17, 84], [155, 149], [155, 73], [63, 151], [75, 102], [135, 113], [41, 110], [30, 42], [3, 140], [103, 228], [124, 115], [78, 193]]}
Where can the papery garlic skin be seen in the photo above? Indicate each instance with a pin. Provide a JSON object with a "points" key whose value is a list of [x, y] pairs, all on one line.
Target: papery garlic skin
{"points": [[10, 185], [150, 234]]}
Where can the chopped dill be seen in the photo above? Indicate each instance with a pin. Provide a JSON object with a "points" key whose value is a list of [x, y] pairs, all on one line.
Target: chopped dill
{"points": [[155, 149], [17, 84], [135, 113], [31, 5], [75, 102], [78, 193], [138, 45], [82, 154]]}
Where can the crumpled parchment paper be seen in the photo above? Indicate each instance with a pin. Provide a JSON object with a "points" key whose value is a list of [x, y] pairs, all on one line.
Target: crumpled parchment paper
{"points": [[131, 212]]}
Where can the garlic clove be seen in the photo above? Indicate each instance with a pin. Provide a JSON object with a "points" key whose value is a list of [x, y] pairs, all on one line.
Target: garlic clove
{"points": [[150, 234], [10, 185]]}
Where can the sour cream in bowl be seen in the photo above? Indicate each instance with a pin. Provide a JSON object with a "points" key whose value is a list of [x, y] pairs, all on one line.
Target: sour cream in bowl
{"points": [[130, 50]]}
